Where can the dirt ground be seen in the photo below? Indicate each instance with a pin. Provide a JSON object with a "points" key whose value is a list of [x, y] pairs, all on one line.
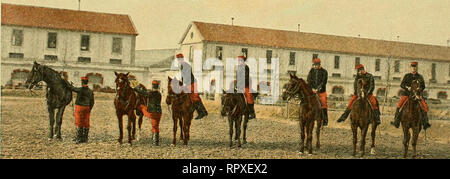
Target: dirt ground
{"points": [[24, 130]]}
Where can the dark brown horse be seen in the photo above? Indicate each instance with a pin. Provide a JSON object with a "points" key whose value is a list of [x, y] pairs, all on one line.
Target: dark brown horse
{"points": [[58, 95], [234, 106], [182, 110], [411, 118], [361, 117], [126, 102], [310, 111]]}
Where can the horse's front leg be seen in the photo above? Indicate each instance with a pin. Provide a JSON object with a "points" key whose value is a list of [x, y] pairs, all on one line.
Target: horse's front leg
{"points": [[414, 140], [302, 136], [139, 127], [244, 128], [59, 116], [355, 137], [180, 121], [230, 130], [363, 141], [120, 120], [406, 138], [131, 127], [373, 133], [319, 126], [309, 136], [186, 128], [238, 130], [175, 125], [51, 118]]}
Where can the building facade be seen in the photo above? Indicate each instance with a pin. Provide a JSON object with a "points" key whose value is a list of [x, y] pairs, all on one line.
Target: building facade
{"points": [[388, 61], [76, 43]]}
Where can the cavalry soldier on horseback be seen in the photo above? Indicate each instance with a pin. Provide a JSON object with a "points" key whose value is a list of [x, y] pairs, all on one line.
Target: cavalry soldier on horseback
{"points": [[372, 99], [153, 109], [406, 86], [83, 107], [317, 79], [243, 86], [186, 74]]}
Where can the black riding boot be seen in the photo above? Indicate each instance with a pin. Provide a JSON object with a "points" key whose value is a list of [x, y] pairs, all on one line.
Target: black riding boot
{"points": [[396, 122], [251, 111], [156, 139], [201, 110], [79, 135], [425, 122], [377, 117], [86, 135], [325, 116], [344, 116]]}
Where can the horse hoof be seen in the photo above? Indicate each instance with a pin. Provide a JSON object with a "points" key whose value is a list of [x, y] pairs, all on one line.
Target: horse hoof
{"points": [[310, 154], [49, 139], [372, 151], [301, 153]]}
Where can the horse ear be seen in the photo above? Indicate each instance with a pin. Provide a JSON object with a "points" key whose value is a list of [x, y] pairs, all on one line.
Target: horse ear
{"points": [[35, 62], [116, 73], [127, 74], [170, 79], [223, 91]]}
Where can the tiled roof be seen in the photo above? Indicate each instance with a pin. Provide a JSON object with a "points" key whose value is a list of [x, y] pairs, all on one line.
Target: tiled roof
{"points": [[311, 41], [41, 17]]}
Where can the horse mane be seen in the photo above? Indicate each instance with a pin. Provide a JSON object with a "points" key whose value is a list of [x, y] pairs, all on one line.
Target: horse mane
{"points": [[306, 89]]}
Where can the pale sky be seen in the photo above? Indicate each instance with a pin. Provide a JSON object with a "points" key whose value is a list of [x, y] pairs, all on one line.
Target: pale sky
{"points": [[161, 23]]}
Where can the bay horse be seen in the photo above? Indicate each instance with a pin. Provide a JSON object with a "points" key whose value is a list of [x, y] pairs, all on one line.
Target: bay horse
{"points": [[411, 118], [59, 95], [182, 110], [310, 111], [127, 102], [234, 106], [362, 116]]}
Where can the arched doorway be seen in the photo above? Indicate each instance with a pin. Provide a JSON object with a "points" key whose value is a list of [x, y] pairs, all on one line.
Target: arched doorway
{"points": [[19, 77], [337, 90], [442, 95]]}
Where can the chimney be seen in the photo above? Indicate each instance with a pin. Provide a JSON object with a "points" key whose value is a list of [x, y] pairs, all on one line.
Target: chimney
{"points": [[232, 19]]}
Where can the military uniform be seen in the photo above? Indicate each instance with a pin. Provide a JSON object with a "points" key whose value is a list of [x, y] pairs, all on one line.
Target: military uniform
{"points": [[317, 80], [83, 107], [153, 109], [405, 85], [243, 86], [372, 99], [186, 73]]}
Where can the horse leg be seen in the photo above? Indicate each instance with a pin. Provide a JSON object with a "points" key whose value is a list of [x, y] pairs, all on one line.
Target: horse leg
{"points": [[175, 125], [187, 125], [414, 141], [302, 136], [238, 130], [180, 121], [244, 135], [129, 129], [59, 116], [120, 119], [355, 137], [138, 137], [230, 130], [133, 125], [373, 133], [51, 117], [363, 140], [406, 136], [319, 125], [309, 136]]}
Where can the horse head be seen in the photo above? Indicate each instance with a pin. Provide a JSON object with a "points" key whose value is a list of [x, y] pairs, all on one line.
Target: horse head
{"points": [[416, 92], [362, 87], [35, 76], [122, 81], [226, 103], [292, 88]]}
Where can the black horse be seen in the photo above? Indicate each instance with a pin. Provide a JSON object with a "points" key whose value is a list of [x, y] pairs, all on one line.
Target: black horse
{"points": [[58, 94]]}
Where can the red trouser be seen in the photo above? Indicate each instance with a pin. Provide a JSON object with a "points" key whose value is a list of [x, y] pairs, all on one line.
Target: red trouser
{"points": [[403, 100], [82, 116], [372, 100], [155, 118], [248, 96], [323, 99], [195, 97]]}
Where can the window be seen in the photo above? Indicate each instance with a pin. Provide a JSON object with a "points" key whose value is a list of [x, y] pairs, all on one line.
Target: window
{"points": [[396, 79], [433, 73], [269, 56], [357, 61], [377, 77], [336, 75], [15, 55], [219, 52], [292, 58], [115, 61], [85, 42], [192, 35], [315, 56], [381, 92], [336, 62], [397, 66], [337, 90], [17, 37], [84, 59], [51, 40], [117, 45], [245, 52], [377, 64], [51, 57]]}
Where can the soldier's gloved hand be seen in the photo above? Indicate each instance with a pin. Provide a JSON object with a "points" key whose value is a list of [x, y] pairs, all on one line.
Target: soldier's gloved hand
{"points": [[409, 88]]}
